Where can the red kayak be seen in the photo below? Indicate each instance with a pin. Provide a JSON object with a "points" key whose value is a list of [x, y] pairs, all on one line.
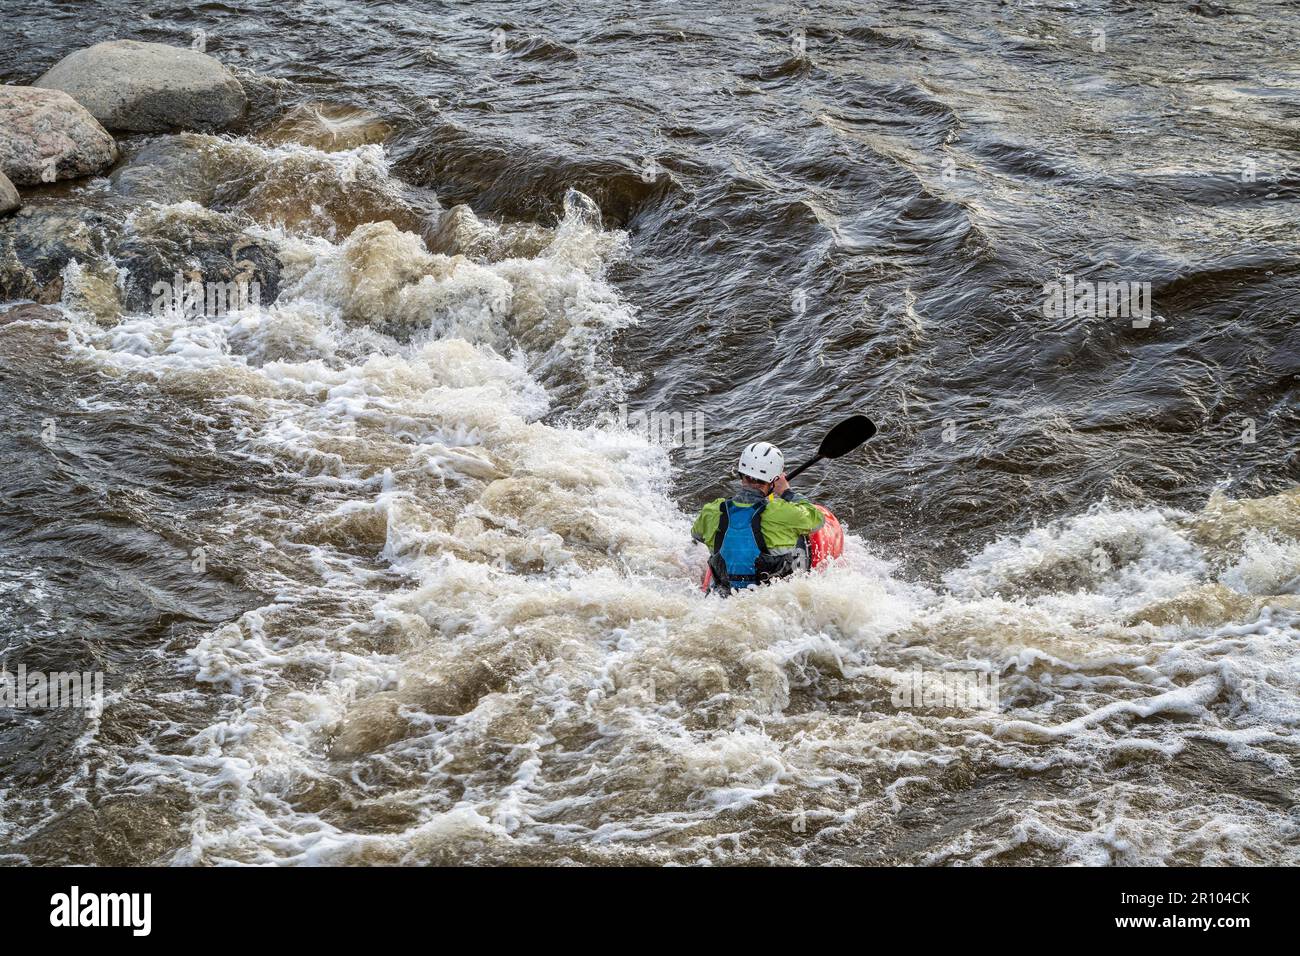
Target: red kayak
{"points": [[823, 544]]}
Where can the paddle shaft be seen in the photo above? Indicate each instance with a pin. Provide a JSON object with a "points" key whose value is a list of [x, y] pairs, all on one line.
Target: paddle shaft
{"points": [[802, 468]]}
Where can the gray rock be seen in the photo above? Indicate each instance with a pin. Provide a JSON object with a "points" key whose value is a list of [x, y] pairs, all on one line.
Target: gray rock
{"points": [[46, 135], [9, 201], [149, 87], [37, 242], [154, 245], [210, 247], [170, 169]]}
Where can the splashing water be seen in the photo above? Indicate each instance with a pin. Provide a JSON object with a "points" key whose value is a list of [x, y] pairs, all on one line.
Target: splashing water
{"points": [[447, 620]]}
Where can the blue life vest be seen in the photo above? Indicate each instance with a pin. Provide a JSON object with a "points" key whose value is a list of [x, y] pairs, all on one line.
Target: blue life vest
{"points": [[739, 542]]}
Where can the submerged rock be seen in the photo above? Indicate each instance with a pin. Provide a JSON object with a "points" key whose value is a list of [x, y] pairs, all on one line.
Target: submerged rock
{"points": [[321, 194], [93, 290], [170, 169], [27, 312], [178, 246], [9, 201], [149, 87], [1224, 523], [28, 333], [459, 232], [37, 242], [47, 135], [118, 266], [329, 127], [300, 189]]}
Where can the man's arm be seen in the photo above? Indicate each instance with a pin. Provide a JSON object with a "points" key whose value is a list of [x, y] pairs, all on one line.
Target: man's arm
{"points": [[803, 518], [706, 525]]}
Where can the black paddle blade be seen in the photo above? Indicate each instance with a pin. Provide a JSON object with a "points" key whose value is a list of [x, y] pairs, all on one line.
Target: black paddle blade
{"points": [[846, 436]]}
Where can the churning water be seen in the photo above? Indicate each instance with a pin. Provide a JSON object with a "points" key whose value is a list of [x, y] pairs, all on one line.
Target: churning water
{"points": [[376, 574]]}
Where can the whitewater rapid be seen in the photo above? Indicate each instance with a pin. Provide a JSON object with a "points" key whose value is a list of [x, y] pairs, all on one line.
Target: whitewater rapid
{"points": [[481, 637]]}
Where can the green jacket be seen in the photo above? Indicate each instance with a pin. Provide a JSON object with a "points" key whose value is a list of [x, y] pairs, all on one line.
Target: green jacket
{"points": [[785, 520]]}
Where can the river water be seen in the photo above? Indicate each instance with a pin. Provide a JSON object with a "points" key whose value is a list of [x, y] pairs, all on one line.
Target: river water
{"points": [[377, 572]]}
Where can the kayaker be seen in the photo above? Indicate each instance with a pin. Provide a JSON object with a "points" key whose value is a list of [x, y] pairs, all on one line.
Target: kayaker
{"points": [[755, 535]]}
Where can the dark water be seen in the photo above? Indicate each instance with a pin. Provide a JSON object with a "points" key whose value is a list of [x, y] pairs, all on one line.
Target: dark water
{"points": [[824, 210]]}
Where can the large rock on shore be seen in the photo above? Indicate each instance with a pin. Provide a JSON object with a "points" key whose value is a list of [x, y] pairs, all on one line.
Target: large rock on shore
{"points": [[9, 201], [46, 135], [149, 87]]}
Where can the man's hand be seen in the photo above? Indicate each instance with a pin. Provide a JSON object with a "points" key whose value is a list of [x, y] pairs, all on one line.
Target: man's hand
{"points": [[780, 486]]}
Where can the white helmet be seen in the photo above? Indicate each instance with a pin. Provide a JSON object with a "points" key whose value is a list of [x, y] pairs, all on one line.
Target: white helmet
{"points": [[761, 461]]}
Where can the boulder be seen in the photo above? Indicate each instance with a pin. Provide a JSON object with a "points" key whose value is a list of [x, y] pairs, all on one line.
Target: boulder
{"points": [[46, 135], [39, 241], [119, 262], [171, 169], [149, 87], [9, 201], [174, 246]]}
